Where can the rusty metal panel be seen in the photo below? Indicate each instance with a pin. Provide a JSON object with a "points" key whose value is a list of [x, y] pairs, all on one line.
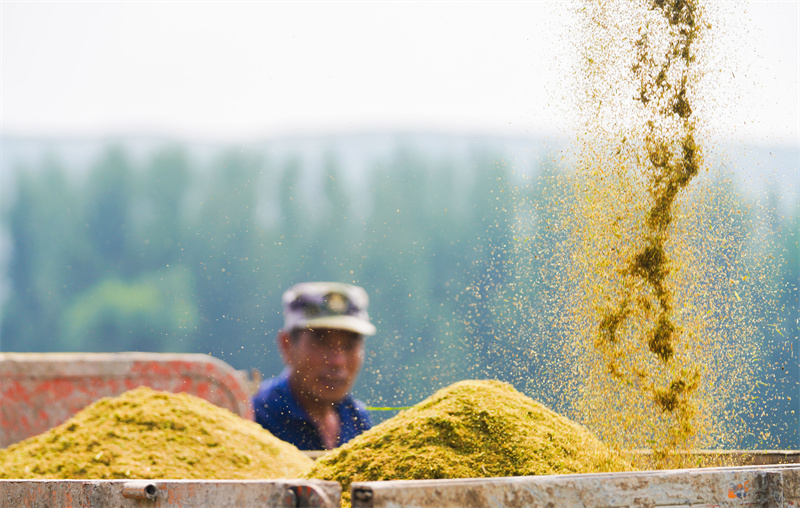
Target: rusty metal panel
{"points": [[697, 488], [790, 477], [755, 457], [726, 458], [168, 493], [42, 390]]}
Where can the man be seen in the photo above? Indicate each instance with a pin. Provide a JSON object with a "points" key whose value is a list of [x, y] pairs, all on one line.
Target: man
{"points": [[322, 346]]}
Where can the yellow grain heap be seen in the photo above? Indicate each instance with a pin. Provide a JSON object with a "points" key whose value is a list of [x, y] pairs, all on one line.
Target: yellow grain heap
{"points": [[149, 434], [467, 430]]}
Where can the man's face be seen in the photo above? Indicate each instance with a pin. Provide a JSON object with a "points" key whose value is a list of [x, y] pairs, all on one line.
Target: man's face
{"points": [[324, 363]]}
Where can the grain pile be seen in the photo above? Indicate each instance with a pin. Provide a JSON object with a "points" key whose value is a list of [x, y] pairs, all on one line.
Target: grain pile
{"points": [[470, 429], [147, 434]]}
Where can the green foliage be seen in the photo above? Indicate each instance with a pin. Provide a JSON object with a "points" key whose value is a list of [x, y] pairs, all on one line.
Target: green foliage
{"points": [[153, 313], [108, 207]]}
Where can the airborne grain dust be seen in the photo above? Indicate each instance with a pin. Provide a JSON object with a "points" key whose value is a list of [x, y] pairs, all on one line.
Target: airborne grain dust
{"points": [[657, 365], [667, 159], [635, 289]]}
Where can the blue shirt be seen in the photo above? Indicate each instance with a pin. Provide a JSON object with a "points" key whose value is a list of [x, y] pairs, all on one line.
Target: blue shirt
{"points": [[278, 411]]}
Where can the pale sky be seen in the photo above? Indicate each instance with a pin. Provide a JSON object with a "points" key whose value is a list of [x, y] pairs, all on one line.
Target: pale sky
{"points": [[231, 71]]}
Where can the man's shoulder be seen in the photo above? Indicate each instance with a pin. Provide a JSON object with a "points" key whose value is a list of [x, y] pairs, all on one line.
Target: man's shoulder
{"points": [[274, 406], [354, 418], [272, 391], [277, 411], [356, 411], [354, 404]]}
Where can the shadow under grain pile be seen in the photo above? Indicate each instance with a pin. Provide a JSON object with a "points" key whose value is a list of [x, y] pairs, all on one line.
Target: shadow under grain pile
{"points": [[148, 434]]}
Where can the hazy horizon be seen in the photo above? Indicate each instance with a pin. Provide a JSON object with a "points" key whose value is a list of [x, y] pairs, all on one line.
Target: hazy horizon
{"points": [[244, 71]]}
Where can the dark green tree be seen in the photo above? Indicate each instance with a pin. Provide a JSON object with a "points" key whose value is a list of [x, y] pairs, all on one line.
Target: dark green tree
{"points": [[225, 257], [108, 206], [163, 214], [493, 214], [50, 259]]}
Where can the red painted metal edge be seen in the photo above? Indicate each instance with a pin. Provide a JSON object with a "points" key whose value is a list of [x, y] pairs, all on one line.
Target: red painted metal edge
{"points": [[41, 390]]}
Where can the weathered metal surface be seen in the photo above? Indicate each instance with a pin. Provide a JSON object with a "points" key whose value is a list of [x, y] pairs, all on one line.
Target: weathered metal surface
{"points": [[41, 390], [168, 493], [724, 458], [771, 486], [753, 457], [775, 486]]}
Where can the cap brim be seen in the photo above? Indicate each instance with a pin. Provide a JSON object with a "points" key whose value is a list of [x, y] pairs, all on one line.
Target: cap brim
{"points": [[349, 323]]}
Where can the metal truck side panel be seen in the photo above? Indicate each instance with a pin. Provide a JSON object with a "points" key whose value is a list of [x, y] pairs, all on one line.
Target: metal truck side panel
{"points": [[715, 487], [168, 493], [42, 390]]}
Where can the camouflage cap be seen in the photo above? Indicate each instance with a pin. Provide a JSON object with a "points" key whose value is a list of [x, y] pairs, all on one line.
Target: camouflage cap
{"points": [[331, 305]]}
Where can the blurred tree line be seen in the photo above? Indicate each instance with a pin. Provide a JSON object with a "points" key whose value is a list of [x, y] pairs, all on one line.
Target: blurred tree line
{"points": [[167, 256]]}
